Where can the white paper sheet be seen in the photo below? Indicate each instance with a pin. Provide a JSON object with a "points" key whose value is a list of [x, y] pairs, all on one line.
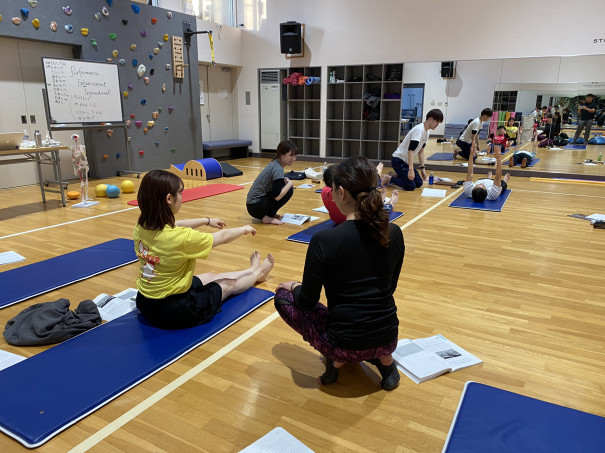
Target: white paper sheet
{"points": [[439, 193], [10, 257], [306, 186], [277, 441], [321, 209], [8, 359]]}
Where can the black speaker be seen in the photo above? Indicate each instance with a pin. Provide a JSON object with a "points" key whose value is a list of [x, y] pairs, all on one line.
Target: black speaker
{"points": [[448, 69], [290, 37]]}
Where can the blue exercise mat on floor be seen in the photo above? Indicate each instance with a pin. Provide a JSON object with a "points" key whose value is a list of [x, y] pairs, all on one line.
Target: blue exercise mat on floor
{"points": [[572, 146], [533, 162], [496, 421], [304, 236], [488, 205], [441, 156], [45, 394], [38, 278]]}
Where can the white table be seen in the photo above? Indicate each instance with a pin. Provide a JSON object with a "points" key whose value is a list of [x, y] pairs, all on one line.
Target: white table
{"points": [[48, 155]]}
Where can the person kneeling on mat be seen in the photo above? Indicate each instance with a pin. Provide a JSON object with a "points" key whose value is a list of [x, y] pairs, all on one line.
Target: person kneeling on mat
{"points": [[405, 176], [486, 188], [170, 295], [271, 189], [358, 264], [469, 140]]}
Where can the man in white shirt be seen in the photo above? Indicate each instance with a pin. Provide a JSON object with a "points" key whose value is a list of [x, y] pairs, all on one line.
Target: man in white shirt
{"points": [[469, 140], [405, 176], [486, 188]]}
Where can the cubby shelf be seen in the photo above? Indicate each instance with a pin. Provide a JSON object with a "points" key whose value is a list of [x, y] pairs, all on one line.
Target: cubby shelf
{"points": [[347, 132], [304, 112]]}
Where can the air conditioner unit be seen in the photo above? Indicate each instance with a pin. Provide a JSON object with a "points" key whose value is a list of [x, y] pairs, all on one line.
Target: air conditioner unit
{"points": [[272, 109]]}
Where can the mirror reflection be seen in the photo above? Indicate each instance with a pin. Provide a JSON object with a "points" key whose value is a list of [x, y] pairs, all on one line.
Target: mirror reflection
{"points": [[517, 88]]}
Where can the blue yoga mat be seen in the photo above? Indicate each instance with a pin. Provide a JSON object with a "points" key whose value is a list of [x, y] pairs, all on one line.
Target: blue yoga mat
{"points": [[533, 162], [43, 395], [488, 205], [572, 146], [496, 421], [38, 278], [441, 156], [304, 236]]}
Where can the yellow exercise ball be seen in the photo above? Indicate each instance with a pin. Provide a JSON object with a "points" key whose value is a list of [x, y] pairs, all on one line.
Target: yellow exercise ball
{"points": [[101, 190], [127, 186], [73, 194]]}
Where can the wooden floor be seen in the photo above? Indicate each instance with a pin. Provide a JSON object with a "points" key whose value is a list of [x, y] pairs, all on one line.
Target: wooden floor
{"points": [[556, 161], [522, 289]]}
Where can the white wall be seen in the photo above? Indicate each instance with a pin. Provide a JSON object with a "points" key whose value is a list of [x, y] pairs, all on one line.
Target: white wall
{"points": [[345, 32], [434, 89]]}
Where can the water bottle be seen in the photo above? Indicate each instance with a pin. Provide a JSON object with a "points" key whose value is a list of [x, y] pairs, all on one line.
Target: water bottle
{"points": [[324, 168], [38, 138], [600, 156], [25, 142], [431, 179]]}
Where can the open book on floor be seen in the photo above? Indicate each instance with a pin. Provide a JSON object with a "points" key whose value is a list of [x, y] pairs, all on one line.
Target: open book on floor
{"points": [[426, 358], [112, 307], [297, 219]]}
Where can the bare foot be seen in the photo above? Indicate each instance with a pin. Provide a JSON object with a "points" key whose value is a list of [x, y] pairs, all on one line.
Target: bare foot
{"points": [[489, 175], [383, 193], [394, 198], [278, 217], [272, 220], [385, 180], [265, 268], [524, 162], [379, 168], [255, 259], [511, 162]]}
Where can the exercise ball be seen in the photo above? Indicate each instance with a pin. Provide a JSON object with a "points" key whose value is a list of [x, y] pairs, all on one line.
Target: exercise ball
{"points": [[101, 190], [73, 194], [113, 191], [127, 186]]}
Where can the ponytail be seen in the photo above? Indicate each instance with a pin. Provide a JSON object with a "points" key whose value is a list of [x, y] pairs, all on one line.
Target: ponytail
{"points": [[360, 178]]}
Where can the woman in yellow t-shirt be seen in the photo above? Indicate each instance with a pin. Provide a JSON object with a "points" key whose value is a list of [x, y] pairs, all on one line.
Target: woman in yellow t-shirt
{"points": [[512, 131], [170, 295]]}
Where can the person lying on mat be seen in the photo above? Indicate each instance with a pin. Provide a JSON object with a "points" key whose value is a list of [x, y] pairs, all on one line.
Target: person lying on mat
{"points": [[170, 295], [326, 196], [469, 140], [486, 188], [271, 189], [405, 176], [358, 264], [522, 157]]}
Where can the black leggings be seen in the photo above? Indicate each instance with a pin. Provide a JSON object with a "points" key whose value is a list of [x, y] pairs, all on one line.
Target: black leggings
{"points": [[267, 206]]}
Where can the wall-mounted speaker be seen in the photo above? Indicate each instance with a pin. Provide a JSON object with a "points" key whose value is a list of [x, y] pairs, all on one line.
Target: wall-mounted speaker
{"points": [[448, 69], [290, 37]]}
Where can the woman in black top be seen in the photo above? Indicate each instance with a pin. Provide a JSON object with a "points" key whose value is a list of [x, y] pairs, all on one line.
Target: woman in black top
{"points": [[358, 265]]}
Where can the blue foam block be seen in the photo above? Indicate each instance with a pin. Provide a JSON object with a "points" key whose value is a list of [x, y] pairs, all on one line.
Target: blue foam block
{"points": [[572, 146], [488, 205], [597, 140], [533, 162], [441, 156], [304, 236], [38, 278], [496, 421], [181, 167], [43, 395]]}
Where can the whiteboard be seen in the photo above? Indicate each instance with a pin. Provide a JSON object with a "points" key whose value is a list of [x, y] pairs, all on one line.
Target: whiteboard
{"points": [[82, 91]]}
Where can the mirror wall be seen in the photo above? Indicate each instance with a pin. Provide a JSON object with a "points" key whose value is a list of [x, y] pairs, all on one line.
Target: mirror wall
{"points": [[544, 80]]}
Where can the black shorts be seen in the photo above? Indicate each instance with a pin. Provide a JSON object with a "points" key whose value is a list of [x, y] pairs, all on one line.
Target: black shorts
{"points": [[196, 306]]}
